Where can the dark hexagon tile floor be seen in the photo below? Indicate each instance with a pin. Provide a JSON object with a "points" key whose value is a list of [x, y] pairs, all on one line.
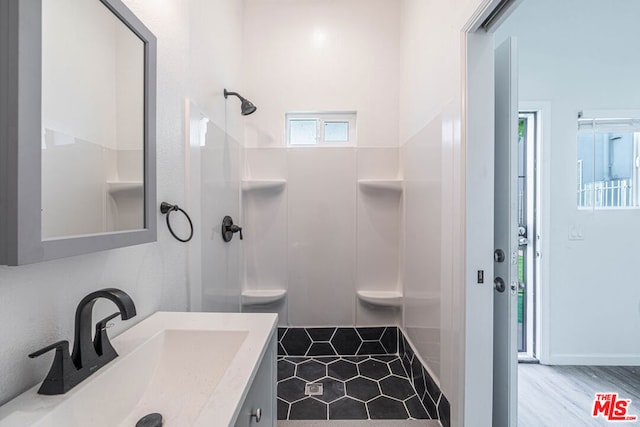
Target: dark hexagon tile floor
{"points": [[355, 388]]}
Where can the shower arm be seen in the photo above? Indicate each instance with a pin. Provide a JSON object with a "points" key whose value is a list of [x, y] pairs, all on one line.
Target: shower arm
{"points": [[227, 93]]}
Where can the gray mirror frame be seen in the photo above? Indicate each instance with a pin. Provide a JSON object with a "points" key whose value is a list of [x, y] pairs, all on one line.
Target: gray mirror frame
{"points": [[20, 140]]}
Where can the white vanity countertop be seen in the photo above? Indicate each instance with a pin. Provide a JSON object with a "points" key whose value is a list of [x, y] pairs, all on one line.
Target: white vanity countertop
{"points": [[228, 347]]}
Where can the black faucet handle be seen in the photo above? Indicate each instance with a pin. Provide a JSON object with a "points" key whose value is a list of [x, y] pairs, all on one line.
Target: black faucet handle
{"points": [[104, 323], [58, 379], [240, 230], [101, 340], [229, 229], [58, 346]]}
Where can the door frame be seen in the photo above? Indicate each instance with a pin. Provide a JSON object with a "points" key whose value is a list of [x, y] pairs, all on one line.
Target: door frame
{"points": [[543, 190], [531, 223]]}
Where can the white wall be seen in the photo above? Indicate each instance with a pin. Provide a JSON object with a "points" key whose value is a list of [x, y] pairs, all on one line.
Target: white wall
{"points": [[38, 301], [433, 156], [330, 55], [322, 55], [582, 62]]}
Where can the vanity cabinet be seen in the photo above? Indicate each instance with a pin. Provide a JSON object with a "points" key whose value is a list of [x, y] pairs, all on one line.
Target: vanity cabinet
{"points": [[263, 392]]}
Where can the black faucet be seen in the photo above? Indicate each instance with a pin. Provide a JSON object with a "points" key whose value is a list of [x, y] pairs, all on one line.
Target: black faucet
{"points": [[88, 355]]}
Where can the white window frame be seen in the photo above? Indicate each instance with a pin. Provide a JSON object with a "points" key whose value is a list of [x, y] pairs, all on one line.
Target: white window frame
{"points": [[322, 117]]}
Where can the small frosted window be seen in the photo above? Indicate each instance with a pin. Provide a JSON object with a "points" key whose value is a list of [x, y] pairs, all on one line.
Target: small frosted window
{"points": [[303, 132], [321, 128], [336, 131]]}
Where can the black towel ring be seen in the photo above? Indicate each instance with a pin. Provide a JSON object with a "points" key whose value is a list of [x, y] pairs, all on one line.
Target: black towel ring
{"points": [[167, 208]]}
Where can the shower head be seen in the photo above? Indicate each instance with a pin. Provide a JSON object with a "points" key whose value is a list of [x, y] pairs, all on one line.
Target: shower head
{"points": [[246, 107]]}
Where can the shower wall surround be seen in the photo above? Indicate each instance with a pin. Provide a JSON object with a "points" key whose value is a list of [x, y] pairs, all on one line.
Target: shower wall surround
{"points": [[322, 237], [433, 156], [321, 232], [422, 260], [219, 196]]}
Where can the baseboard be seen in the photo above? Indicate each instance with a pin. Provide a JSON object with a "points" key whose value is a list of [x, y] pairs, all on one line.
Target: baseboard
{"points": [[594, 359]]}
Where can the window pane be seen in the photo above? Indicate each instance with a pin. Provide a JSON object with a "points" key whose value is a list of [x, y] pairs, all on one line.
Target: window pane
{"points": [[303, 132], [606, 174], [336, 131]]}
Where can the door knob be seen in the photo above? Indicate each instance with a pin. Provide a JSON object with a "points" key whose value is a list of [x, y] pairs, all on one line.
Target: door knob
{"points": [[499, 285]]}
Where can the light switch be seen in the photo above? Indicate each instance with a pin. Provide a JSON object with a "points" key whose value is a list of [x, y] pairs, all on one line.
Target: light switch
{"points": [[575, 233]]}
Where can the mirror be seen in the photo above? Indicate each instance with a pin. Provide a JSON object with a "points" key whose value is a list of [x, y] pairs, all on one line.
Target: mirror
{"points": [[92, 120], [77, 129]]}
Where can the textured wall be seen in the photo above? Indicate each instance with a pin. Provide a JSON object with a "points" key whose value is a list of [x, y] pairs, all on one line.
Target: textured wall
{"points": [[37, 302]]}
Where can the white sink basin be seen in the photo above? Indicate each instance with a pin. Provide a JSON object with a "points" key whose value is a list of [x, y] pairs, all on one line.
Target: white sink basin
{"points": [[193, 368]]}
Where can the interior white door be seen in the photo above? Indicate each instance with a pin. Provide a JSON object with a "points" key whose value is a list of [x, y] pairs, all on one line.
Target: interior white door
{"points": [[505, 338]]}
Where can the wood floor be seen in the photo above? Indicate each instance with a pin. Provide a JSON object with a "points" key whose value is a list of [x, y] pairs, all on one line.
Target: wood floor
{"points": [[564, 395]]}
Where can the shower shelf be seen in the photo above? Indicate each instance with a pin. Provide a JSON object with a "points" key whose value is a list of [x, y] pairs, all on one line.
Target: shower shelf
{"points": [[263, 184], [114, 187], [381, 298], [394, 185], [261, 296]]}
